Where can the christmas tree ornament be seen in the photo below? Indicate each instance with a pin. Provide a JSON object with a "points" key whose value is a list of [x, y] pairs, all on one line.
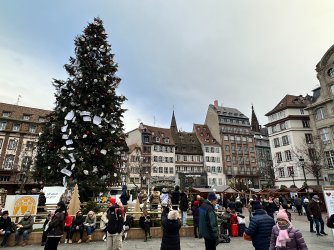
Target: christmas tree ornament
{"points": [[86, 172]]}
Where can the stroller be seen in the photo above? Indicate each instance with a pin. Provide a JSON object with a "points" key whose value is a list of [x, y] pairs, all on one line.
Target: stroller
{"points": [[224, 228]]}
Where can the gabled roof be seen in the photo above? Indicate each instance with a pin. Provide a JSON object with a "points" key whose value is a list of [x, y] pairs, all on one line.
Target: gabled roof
{"points": [[226, 111], [162, 133], [291, 101], [204, 135]]}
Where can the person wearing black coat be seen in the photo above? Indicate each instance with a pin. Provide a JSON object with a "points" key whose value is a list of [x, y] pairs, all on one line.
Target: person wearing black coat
{"points": [[171, 237], [77, 226], [41, 202], [175, 198], [5, 227]]}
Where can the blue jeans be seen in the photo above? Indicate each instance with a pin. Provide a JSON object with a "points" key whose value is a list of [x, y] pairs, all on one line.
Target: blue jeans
{"points": [[184, 218], [5, 238], [90, 230], [322, 224], [25, 235]]}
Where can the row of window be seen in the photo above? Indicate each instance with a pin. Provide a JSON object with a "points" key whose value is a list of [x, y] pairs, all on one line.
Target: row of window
{"points": [[163, 170], [283, 141], [146, 139], [287, 155], [212, 149], [284, 125], [241, 159], [325, 135], [17, 127], [193, 158], [236, 130], [189, 169], [290, 172], [12, 144], [236, 121], [163, 159], [213, 181], [241, 170], [167, 149], [214, 169], [25, 117], [8, 163], [212, 159], [239, 148]]}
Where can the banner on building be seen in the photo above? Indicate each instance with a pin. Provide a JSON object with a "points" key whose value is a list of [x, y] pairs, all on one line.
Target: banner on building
{"points": [[18, 205], [52, 194], [329, 200]]}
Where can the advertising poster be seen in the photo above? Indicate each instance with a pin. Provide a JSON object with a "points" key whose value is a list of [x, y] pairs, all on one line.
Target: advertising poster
{"points": [[18, 205], [52, 194], [329, 200]]}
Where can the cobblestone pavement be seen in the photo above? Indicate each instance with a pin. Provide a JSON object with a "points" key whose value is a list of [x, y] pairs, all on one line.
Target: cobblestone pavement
{"points": [[313, 242]]}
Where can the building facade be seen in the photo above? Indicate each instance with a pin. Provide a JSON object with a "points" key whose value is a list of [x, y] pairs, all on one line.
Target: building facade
{"points": [[290, 135], [19, 131], [189, 157], [263, 153], [321, 111], [232, 129], [156, 162], [213, 164]]}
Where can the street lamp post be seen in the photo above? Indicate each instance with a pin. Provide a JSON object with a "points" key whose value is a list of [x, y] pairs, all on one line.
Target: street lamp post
{"points": [[302, 164]]}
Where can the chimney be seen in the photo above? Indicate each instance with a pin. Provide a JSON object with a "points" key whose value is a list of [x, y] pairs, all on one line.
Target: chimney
{"points": [[216, 104]]}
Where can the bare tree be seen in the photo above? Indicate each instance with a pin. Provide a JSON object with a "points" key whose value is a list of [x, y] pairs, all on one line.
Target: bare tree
{"points": [[312, 156]]}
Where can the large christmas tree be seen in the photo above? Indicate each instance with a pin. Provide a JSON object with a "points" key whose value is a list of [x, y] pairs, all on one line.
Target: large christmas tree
{"points": [[84, 140]]}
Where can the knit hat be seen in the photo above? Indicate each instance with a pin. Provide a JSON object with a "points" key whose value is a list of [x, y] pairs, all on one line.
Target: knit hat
{"points": [[282, 215], [196, 203], [315, 198], [257, 205], [212, 196], [112, 200], [306, 200], [4, 212]]}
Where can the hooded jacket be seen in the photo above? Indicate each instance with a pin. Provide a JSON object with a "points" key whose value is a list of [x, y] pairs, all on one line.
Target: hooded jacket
{"points": [[27, 224], [184, 203], [314, 209]]}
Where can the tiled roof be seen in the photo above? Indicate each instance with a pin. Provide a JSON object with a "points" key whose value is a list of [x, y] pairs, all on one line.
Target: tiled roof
{"points": [[232, 112], [17, 112], [162, 133], [290, 101], [204, 135], [187, 143]]}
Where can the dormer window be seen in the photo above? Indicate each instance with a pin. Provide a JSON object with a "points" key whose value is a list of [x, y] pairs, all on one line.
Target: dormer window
{"points": [[6, 114], [157, 139], [41, 119], [16, 126], [26, 117], [166, 140]]}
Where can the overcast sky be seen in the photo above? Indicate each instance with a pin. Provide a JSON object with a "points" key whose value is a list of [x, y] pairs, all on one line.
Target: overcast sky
{"points": [[181, 53]]}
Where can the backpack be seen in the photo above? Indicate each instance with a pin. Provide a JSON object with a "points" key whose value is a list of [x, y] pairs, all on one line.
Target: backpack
{"points": [[115, 220], [330, 221]]}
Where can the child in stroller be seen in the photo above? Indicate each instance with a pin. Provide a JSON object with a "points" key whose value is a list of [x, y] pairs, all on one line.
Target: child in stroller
{"points": [[225, 227]]}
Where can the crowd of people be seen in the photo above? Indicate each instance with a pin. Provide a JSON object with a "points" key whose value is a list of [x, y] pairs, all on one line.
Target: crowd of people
{"points": [[216, 218]]}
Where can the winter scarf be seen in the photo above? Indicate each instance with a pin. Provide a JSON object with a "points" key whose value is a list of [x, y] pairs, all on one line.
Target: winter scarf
{"points": [[283, 236]]}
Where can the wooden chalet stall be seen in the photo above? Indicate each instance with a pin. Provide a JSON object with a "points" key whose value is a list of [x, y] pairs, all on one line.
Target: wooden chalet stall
{"points": [[221, 190], [309, 191]]}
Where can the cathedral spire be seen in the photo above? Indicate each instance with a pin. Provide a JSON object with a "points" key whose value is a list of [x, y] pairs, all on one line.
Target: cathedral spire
{"points": [[254, 122], [173, 125]]}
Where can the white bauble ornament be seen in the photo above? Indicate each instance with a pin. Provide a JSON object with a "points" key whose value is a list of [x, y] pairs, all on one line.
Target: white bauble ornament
{"points": [[86, 172], [115, 174]]}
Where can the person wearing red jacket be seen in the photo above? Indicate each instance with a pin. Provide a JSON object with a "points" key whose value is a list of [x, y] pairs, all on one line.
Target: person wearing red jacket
{"points": [[67, 228]]}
